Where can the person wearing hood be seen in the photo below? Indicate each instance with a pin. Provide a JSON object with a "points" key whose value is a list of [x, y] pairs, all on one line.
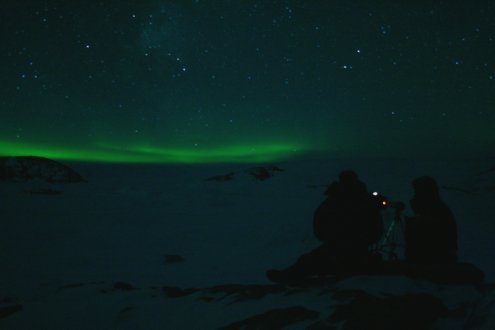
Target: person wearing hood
{"points": [[347, 223], [431, 234]]}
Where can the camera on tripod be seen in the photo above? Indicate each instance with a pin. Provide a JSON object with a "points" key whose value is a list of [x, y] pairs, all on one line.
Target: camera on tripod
{"points": [[383, 202], [394, 231]]}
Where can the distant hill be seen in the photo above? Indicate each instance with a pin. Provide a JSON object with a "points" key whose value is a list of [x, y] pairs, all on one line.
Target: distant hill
{"points": [[30, 167]]}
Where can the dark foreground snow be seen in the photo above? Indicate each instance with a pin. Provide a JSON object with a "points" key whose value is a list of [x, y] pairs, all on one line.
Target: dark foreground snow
{"points": [[154, 247]]}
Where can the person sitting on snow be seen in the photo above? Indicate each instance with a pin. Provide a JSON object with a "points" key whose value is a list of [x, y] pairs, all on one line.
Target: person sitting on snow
{"points": [[431, 234], [347, 222]]}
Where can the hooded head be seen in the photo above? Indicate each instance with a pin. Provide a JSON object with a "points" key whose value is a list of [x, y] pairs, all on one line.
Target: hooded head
{"points": [[425, 186], [351, 186], [348, 186], [426, 196], [348, 176]]}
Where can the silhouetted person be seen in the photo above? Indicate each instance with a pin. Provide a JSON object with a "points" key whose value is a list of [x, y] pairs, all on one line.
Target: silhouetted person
{"points": [[431, 234], [347, 223]]}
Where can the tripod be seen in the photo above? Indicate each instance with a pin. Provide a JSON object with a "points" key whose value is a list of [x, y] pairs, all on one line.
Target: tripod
{"points": [[394, 234]]}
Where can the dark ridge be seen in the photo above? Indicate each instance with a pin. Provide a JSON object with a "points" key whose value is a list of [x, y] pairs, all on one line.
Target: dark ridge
{"points": [[24, 168]]}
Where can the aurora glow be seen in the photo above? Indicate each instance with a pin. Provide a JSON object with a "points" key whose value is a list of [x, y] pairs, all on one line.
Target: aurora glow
{"points": [[148, 154], [246, 81]]}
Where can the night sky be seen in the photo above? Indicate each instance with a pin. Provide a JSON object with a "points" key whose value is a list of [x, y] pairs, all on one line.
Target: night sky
{"points": [[246, 81]]}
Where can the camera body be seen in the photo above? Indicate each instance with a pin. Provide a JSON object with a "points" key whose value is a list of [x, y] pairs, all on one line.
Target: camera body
{"points": [[392, 236], [379, 200], [383, 202]]}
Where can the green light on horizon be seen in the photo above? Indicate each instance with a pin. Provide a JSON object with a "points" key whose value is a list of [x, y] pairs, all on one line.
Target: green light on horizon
{"points": [[108, 153]]}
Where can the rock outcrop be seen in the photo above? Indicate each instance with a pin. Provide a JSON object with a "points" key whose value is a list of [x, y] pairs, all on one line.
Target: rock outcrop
{"points": [[30, 167]]}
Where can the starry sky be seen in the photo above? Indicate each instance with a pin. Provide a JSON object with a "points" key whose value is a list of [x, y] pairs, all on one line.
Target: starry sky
{"points": [[197, 81]]}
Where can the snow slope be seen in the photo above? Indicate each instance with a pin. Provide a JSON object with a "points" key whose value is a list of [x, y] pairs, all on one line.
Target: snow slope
{"points": [[147, 227]]}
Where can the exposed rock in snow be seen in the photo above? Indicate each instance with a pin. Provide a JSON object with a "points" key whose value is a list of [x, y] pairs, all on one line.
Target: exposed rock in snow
{"points": [[274, 319], [263, 173], [30, 167], [222, 178], [259, 173], [239, 292]]}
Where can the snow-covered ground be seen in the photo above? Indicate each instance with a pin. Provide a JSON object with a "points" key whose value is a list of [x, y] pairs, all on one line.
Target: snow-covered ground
{"points": [[150, 226]]}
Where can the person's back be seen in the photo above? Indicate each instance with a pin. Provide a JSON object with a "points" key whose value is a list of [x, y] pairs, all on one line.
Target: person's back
{"points": [[431, 234], [348, 220], [347, 223]]}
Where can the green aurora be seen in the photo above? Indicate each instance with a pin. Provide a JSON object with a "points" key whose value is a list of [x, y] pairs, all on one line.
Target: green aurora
{"points": [[169, 81], [149, 154]]}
